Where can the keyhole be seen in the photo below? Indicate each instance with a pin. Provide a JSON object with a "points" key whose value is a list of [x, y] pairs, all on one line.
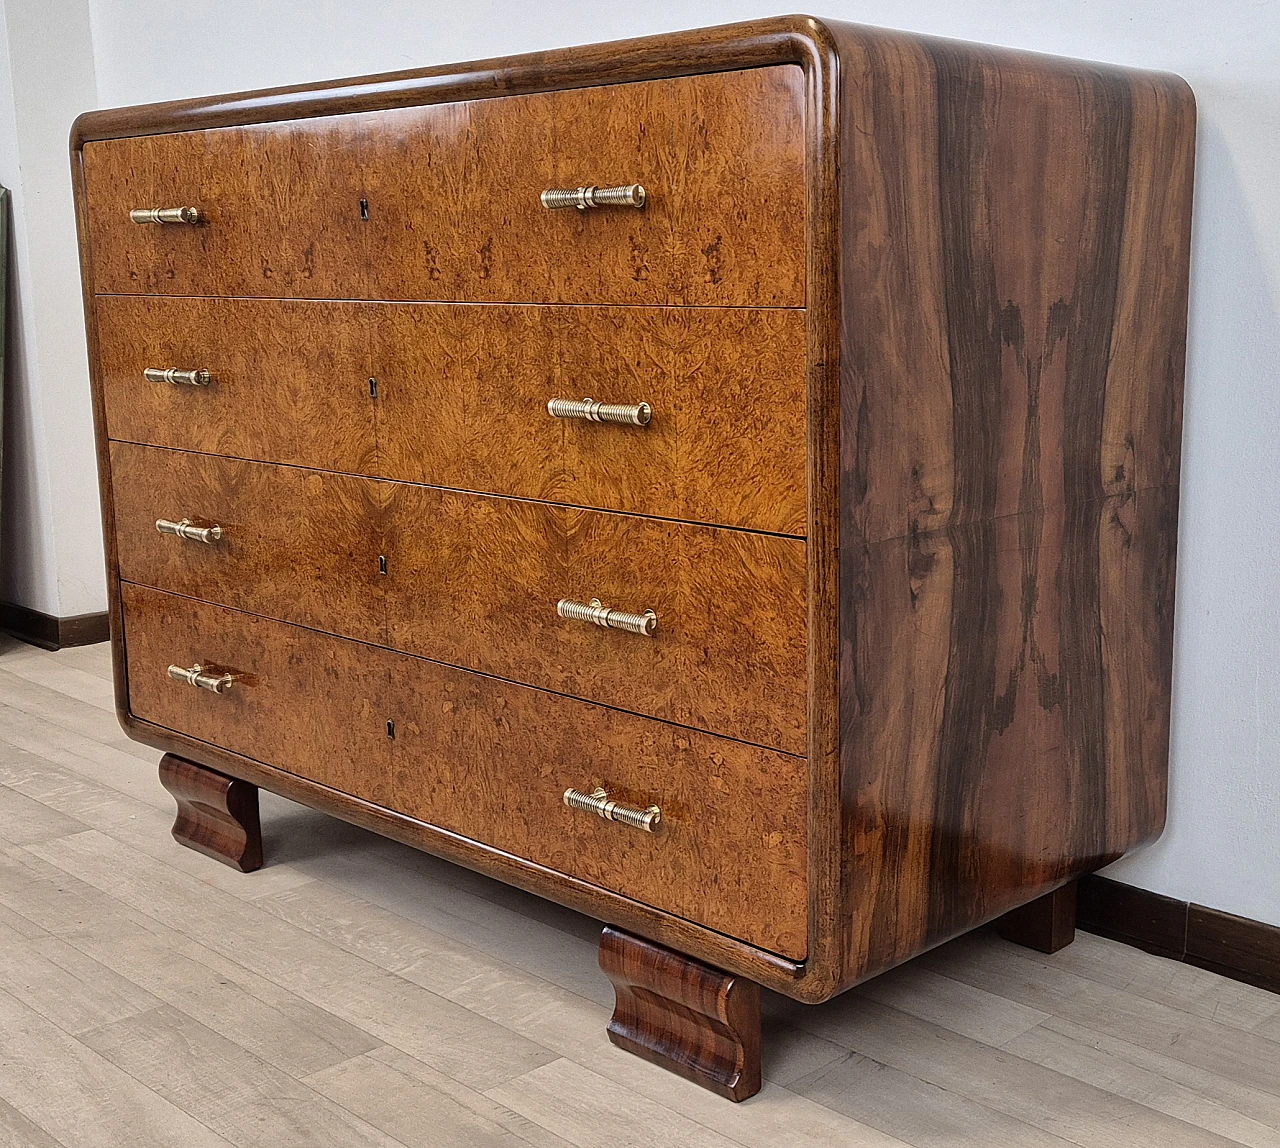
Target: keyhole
{"points": [[373, 388], [391, 729], [382, 563], [364, 210]]}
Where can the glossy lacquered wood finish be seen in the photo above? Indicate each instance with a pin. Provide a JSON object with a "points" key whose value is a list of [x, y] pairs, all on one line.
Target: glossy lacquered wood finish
{"points": [[463, 397], [490, 761], [684, 1015], [451, 193], [474, 581], [1015, 290], [291, 386], [299, 545], [906, 158], [460, 394], [217, 815]]}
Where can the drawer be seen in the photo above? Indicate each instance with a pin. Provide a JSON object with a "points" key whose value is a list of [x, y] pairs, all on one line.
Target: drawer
{"points": [[475, 580], [462, 393], [452, 207], [299, 545], [289, 381], [491, 760]]}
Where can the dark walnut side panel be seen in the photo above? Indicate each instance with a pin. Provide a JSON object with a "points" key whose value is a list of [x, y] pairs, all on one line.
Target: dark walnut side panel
{"points": [[474, 581], [1011, 387], [461, 397], [491, 761], [1015, 281], [1008, 715], [452, 200]]}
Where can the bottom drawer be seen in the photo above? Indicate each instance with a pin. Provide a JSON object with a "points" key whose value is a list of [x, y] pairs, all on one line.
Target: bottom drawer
{"points": [[491, 760]]}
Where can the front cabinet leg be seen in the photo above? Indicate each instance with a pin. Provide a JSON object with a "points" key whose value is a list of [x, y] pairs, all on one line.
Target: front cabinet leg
{"points": [[217, 815], [1046, 924], [683, 1015]]}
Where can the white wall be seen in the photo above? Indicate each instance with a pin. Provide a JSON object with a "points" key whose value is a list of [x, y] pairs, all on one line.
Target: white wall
{"points": [[1222, 847], [51, 538]]}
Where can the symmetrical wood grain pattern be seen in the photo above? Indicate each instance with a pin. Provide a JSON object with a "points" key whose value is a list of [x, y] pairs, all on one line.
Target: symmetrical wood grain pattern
{"points": [[490, 761], [995, 251], [684, 1015], [452, 191], [1011, 391], [459, 397], [217, 815], [1046, 924], [474, 581]]}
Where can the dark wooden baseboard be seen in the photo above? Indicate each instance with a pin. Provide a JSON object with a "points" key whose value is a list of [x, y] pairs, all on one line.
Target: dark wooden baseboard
{"points": [[1236, 947], [50, 633]]}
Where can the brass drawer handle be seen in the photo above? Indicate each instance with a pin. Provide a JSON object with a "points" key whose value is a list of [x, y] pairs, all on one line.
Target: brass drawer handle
{"points": [[606, 616], [633, 414], [165, 215], [632, 195], [188, 530], [178, 376], [597, 802], [204, 679]]}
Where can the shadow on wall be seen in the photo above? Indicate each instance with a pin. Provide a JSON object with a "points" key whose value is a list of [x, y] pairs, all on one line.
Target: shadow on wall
{"points": [[1224, 799]]}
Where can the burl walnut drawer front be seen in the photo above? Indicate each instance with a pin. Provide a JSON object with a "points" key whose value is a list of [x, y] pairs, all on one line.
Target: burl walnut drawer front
{"points": [[443, 201], [476, 581], [490, 760], [457, 395]]}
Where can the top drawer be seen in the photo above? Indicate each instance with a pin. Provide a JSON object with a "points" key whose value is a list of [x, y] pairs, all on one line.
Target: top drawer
{"points": [[451, 193]]}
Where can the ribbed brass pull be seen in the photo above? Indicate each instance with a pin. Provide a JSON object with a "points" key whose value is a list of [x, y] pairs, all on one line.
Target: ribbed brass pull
{"points": [[606, 616], [179, 376], [165, 215], [634, 414], [188, 530], [598, 802], [215, 681], [632, 195]]}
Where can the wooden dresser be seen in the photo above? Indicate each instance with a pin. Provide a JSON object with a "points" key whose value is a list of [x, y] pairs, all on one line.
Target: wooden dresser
{"points": [[723, 482]]}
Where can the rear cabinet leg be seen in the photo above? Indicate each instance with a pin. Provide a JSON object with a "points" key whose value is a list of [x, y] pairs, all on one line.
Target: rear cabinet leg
{"points": [[217, 815], [683, 1015], [1046, 924]]}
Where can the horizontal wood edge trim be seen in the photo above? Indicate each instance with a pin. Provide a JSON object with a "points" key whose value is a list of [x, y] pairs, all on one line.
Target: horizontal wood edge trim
{"points": [[762, 43], [477, 304], [1235, 947], [50, 632], [718, 949]]}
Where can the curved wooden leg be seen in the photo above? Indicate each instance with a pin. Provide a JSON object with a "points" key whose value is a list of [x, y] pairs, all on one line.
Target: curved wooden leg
{"points": [[684, 1015], [218, 815], [1046, 924]]}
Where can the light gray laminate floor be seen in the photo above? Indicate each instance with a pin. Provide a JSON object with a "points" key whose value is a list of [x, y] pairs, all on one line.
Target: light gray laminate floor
{"points": [[356, 992]]}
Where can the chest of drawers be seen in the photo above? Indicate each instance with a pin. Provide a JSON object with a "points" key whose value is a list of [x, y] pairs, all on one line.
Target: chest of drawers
{"points": [[724, 482]]}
